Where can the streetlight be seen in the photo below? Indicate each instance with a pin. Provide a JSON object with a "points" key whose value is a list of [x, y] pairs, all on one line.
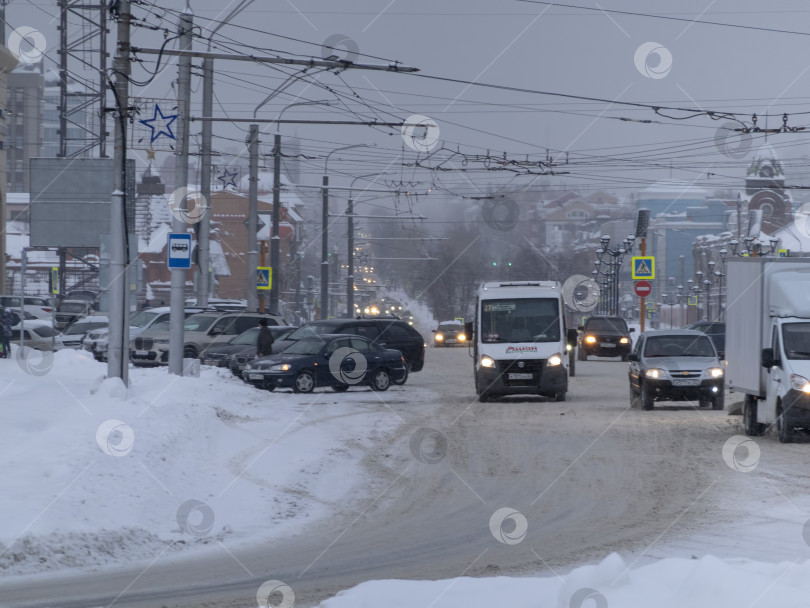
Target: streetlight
{"points": [[711, 264], [204, 226], [324, 309], [275, 239], [350, 248]]}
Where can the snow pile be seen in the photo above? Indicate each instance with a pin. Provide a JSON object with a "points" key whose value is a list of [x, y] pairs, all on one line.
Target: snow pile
{"points": [[708, 582], [96, 473]]}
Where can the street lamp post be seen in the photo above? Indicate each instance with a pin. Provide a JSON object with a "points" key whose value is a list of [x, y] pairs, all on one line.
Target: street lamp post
{"points": [[608, 264], [324, 308]]}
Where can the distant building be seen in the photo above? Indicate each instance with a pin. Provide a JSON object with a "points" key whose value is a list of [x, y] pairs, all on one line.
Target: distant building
{"points": [[7, 63], [26, 85]]}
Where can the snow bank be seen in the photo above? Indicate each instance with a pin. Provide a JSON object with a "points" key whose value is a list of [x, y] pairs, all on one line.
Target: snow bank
{"points": [[669, 583], [97, 473]]}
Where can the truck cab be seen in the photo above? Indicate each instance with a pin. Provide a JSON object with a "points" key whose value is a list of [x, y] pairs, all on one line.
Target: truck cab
{"points": [[520, 340]]}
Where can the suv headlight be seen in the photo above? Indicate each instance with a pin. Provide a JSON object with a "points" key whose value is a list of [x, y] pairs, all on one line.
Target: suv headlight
{"points": [[624, 341], [439, 337], [590, 339], [654, 373], [715, 372], [161, 341], [487, 361], [800, 383], [554, 360]]}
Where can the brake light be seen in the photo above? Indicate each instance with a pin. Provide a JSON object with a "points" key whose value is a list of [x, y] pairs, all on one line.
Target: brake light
{"points": [[47, 310]]}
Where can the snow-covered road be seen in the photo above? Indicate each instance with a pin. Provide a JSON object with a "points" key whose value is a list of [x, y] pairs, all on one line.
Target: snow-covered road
{"points": [[411, 484]]}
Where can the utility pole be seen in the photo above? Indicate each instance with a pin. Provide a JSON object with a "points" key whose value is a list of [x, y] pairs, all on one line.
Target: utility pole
{"points": [[203, 228], [117, 362], [350, 261], [253, 217], [275, 239], [324, 308], [179, 224]]}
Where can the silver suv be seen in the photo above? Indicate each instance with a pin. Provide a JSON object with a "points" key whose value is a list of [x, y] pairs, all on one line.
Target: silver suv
{"points": [[200, 331], [675, 365]]}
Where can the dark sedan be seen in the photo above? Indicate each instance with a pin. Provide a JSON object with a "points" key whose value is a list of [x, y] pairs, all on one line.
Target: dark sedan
{"points": [[239, 351], [338, 361]]}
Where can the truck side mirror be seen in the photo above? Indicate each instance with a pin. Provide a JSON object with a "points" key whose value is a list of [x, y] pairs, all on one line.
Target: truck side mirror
{"points": [[468, 330], [767, 357], [571, 337]]}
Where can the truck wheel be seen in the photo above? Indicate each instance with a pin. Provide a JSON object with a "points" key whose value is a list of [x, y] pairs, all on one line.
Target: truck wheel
{"points": [[559, 396], [647, 401], [719, 401], [752, 427], [581, 354], [783, 429]]}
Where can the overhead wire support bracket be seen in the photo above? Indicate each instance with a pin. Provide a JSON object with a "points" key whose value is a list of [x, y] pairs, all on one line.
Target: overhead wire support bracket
{"points": [[326, 63]]}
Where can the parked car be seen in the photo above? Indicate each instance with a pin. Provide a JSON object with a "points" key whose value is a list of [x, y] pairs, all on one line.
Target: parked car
{"points": [[338, 361], [716, 332], [37, 334], [243, 346], [604, 336], [82, 294], [200, 331], [391, 332], [38, 306], [675, 365], [70, 311], [449, 333], [73, 336]]}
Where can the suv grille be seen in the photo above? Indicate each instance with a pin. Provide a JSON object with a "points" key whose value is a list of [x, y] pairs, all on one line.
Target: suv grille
{"points": [[685, 373], [144, 343]]}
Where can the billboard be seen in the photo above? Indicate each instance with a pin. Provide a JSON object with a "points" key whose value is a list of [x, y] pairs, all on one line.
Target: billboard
{"points": [[70, 200]]}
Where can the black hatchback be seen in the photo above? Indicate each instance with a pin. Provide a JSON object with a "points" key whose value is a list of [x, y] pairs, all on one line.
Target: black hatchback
{"points": [[604, 336], [391, 332]]}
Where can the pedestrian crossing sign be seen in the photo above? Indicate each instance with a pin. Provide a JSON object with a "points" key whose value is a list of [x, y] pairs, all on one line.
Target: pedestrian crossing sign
{"points": [[692, 300], [264, 277], [643, 267]]}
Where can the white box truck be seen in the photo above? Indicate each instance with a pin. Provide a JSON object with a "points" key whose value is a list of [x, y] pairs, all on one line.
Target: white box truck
{"points": [[520, 340], [768, 342]]}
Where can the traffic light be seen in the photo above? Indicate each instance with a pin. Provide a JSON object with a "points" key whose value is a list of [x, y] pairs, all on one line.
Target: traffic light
{"points": [[494, 263]]}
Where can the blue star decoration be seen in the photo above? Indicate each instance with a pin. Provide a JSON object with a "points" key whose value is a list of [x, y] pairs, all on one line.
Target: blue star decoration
{"points": [[162, 124], [228, 179]]}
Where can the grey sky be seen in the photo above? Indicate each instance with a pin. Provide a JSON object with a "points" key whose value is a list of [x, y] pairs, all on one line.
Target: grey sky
{"points": [[516, 44]]}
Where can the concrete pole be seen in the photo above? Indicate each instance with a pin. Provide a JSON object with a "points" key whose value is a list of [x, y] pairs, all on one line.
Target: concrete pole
{"points": [[118, 353], [204, 227], [324, 309], [178, 292], [275, 239], [253, 219], [350, 261]]}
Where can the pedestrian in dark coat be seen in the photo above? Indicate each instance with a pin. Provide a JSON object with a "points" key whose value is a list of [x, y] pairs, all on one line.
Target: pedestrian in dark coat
{"points": [[264, 345], [6, 323]]}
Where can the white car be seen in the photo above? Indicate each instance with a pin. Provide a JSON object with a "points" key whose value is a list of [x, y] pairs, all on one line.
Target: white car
{"points": [[38, 306], [73, 336], [37, 334]]}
